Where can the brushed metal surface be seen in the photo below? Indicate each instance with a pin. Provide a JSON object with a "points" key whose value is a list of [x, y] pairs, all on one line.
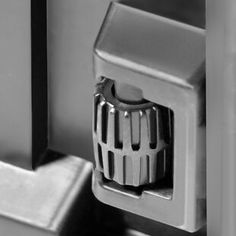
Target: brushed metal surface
{"points": [[154, 228], [15, 82], [72, 29], [23, 92], [71, 43], [166, 59], [41, 202], [221, 117], [190, 12]]}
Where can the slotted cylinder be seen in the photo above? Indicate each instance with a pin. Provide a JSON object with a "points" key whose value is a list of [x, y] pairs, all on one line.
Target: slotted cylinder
{"points": [[129, 142]]}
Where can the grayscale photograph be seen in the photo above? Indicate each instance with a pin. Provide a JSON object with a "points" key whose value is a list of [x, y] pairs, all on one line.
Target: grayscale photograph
{"points": [[117, 118]]}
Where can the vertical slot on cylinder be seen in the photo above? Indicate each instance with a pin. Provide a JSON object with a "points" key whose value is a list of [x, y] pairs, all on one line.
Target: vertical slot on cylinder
{"points": [[111, 164], [118, 139], [100, 156], [135, 122], [95, 112], [153, 128], [104, 123]]}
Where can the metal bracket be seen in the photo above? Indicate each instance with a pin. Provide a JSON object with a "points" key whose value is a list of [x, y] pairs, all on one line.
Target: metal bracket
{"points": [[166, 60]]}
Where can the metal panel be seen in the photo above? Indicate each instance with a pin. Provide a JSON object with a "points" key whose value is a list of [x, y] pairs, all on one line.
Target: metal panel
{"points": [[221, 117], [23, 115], [15, 82], [72, 29]]}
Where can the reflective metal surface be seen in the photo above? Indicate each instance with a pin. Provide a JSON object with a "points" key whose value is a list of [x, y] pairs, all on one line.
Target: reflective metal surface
{"points": [[56, 199], [15, 83], [221, 117], [23, 82], [43, 202], [72, 29], [129, 142], [170, 71]]}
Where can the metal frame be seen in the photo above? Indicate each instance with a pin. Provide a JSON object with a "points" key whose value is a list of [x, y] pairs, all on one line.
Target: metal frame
{"points": [[221, 99], [221, 117]]}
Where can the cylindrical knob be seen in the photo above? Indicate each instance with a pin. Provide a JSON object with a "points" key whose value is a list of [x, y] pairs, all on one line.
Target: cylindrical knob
{"points": [[128, 138]]}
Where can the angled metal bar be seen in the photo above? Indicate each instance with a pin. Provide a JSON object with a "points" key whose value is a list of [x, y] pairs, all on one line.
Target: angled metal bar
{"points": [[221, 117]]}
